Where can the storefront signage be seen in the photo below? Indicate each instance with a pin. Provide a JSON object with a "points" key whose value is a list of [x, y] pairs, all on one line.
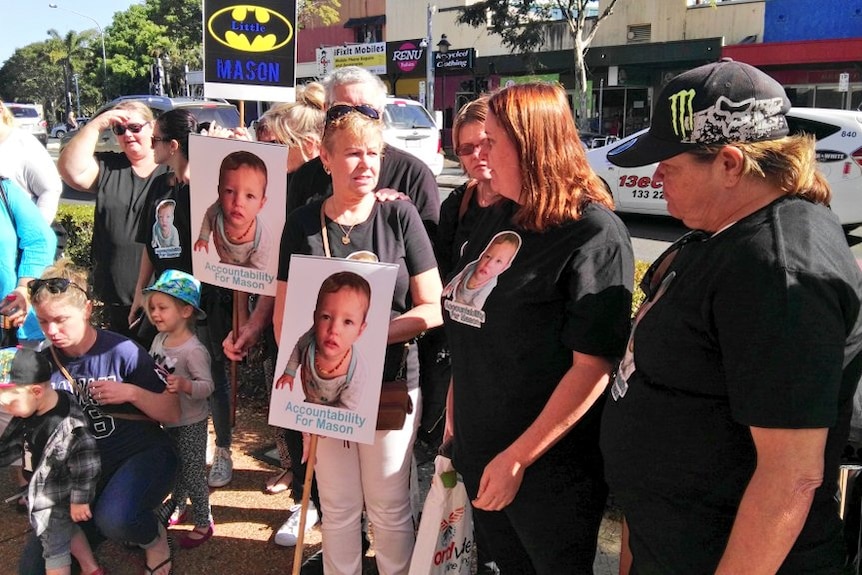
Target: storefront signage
{"points": [[405, 57], [250, 49], [512, 80], [371, 56], [454, 61]]}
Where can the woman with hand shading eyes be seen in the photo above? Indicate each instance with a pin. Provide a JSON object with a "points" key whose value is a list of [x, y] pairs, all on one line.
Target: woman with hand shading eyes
{"points": [[120, 181]]}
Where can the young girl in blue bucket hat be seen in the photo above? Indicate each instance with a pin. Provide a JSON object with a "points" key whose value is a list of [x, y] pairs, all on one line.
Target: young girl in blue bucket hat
{"points": [[173, 307]]}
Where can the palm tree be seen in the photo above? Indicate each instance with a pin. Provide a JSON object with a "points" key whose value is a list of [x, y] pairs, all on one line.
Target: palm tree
{"points": [[72, 50]]}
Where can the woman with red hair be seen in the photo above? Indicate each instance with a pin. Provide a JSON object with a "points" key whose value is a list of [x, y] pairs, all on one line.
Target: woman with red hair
{"points": [[530, 367]]}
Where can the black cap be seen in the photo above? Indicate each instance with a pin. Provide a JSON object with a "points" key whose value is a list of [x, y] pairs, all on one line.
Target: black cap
{"points": [[23, 366], [724, 102]]}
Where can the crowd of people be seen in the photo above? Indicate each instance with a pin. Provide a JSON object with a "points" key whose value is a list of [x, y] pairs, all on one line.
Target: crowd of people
{"points": [[716, 417]]}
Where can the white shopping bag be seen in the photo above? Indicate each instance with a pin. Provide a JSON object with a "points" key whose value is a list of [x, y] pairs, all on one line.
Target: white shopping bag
{"points": [[445, 541]]}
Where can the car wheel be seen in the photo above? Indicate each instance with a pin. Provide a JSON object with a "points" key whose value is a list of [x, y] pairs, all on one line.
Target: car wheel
{"points": [[59, 133]]}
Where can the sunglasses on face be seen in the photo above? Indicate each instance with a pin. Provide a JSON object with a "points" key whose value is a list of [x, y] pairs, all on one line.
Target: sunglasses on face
{"points": [[470, 149], [53, 285], [341, 110], [120, 129]]}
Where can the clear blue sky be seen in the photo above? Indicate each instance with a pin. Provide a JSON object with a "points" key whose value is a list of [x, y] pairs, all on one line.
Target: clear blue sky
{"points": [[28, 21]]}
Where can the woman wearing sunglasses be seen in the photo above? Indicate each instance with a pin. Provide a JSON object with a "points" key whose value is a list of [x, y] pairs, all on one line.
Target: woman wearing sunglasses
{"points": [[355, 221], [115, 381], [462, 208], [120, 181]]}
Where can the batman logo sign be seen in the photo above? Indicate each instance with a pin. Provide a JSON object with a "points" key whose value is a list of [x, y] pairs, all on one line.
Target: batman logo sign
{"points": [[250, 28]]}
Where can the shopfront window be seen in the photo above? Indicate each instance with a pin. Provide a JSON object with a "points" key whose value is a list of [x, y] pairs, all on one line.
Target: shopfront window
{"points": [[811, 96]]}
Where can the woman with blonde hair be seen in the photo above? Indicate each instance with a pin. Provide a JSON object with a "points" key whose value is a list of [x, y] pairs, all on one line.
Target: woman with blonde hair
{"points": [[25, 161], [298, 125], [352, 476], [115, 381], [529, 369]]}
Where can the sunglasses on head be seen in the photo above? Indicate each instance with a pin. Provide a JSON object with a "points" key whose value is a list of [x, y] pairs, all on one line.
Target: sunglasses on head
{"points": [[120, 129], [53, 285], [341, 110]]}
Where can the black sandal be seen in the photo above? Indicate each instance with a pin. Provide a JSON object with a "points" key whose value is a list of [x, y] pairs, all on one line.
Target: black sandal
{"points": [[152, 570]]}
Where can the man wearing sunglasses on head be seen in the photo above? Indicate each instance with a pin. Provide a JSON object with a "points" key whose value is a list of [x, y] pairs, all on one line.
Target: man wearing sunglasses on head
{"points": [[349, 89], [120, 181], [400, 171]]}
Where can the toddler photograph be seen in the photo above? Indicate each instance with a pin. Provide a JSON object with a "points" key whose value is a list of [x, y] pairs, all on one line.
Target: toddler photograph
{"points": [[331, 368]]}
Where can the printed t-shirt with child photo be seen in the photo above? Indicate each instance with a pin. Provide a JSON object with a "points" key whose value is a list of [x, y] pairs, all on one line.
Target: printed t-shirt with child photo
{"points": [[167, 196], [552, 296]]}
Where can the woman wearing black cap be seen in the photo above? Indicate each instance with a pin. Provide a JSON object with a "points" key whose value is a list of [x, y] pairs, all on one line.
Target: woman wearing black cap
{"points": [[732, 404]]}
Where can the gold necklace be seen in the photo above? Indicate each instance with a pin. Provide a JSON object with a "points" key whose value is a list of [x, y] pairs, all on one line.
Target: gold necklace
{"points": [[334, 369], [345, 239], [238, 239]]}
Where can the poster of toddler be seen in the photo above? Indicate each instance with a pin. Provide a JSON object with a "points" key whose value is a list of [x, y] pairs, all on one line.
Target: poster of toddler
{"points": [[330, 364], [237, 209]]}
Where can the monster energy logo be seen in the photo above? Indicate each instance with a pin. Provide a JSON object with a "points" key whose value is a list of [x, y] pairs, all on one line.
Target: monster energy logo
{"points": [[681, 113]]}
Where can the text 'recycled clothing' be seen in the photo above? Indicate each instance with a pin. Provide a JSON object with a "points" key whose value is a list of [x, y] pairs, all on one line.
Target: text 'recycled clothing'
{"points": [[113, 358], [758, 327]]}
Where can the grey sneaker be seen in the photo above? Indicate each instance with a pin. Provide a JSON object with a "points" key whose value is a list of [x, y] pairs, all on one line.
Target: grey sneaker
{"points": [[288, 533], [222, 470]]}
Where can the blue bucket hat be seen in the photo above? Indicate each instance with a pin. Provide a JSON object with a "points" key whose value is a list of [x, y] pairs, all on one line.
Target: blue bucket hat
{"points": [[182, 286]]}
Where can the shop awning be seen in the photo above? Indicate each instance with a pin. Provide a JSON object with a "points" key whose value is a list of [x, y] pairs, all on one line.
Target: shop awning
{"points": [[367, 21]]}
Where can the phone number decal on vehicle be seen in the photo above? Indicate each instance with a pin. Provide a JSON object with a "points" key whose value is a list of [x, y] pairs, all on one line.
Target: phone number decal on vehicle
{"points": [[638, 182], [628, 181]]}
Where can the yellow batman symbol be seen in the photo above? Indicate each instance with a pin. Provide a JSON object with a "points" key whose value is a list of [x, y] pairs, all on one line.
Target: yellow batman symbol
{"points": [[250, 28]]}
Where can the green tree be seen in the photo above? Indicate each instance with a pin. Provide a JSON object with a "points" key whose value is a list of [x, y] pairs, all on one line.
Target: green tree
{"points": [[322, 12], [71, 53], [522, 25], [129, 64], [29, 76]]}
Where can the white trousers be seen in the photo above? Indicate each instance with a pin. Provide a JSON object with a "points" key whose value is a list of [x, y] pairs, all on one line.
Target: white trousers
{"points": [[351, 476]]}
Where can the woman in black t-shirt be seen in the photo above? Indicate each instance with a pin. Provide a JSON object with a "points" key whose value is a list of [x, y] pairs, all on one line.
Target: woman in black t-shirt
{"points": [[531, 363], [350, 474]]}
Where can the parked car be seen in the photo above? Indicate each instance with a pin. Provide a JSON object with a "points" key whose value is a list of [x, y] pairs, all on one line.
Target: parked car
{"points": [[593, 140], [30, 118], [407, 125], [839, 158], [59, 130], [210, 110]]}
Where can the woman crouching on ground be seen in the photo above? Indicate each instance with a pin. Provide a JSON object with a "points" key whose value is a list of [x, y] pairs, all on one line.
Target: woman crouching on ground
{"points": [[124, 399]]}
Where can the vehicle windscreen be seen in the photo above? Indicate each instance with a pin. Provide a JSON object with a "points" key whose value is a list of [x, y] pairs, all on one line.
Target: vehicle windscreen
{"points": [[24, 112], [404, 117]]}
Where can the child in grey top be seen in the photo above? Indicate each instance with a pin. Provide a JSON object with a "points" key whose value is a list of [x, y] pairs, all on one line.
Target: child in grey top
{"points": [[173, 306]]}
